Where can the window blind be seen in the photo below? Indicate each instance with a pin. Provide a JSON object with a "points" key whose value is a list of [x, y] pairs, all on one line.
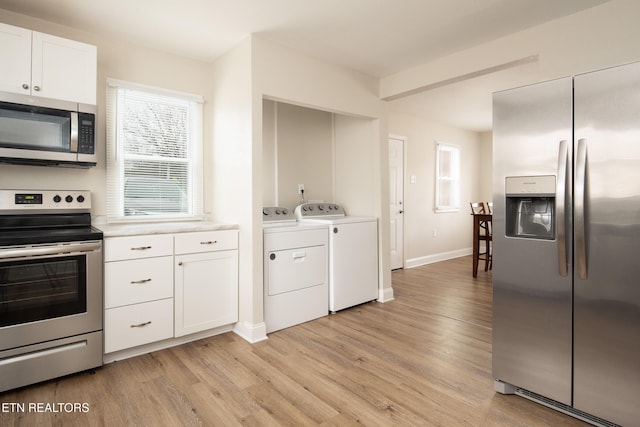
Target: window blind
{"points": [[154, 153], [447, 178]]}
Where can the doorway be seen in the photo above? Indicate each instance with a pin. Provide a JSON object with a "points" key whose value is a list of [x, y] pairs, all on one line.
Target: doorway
{"points": [[396, 201]]}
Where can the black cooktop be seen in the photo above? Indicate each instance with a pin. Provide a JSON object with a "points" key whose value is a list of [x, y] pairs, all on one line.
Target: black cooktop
{"points": [[46, 228]]}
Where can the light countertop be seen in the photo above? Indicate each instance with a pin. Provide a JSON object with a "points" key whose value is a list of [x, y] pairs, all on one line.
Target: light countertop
{"points": [[132, 229]]}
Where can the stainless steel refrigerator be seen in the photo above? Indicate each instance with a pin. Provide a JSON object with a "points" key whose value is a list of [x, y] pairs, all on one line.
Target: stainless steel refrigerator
{"points": [[566, 234]]}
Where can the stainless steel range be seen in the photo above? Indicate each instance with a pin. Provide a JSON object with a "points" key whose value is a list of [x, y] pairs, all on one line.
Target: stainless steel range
{"points": [[50, 286]]}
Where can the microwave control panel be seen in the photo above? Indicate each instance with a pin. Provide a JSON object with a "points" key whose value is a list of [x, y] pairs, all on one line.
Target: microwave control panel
{"points": [[86, 130]]}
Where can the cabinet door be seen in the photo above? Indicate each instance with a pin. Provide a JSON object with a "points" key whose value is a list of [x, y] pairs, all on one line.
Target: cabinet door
{"points": [[206, 291], [63, 69], [15, 50]]}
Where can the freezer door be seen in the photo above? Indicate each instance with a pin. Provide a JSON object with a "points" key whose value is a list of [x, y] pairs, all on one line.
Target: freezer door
{"points": [[607, 244], [532, 298]]}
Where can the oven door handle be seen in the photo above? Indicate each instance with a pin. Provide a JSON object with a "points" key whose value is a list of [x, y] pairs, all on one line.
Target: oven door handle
{"points": [[60, 249]]}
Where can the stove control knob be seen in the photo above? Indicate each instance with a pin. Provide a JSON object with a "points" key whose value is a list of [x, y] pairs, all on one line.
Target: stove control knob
{"points": [[277, 211], [320, 207], [57, 198], [80, 198], [310, 208], [265, 212], [68, 199], [304, 208], [285, 212]]}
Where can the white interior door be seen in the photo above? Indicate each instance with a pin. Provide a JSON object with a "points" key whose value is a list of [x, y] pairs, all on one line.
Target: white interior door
{"points": [[396, 201]]}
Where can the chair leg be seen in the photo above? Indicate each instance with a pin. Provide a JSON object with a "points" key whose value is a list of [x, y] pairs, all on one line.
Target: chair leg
{"points": [[487, 254]]}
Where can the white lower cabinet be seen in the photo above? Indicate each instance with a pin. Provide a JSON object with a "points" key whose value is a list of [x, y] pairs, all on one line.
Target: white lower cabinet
{"points": [[205, 297], [159, 287]]}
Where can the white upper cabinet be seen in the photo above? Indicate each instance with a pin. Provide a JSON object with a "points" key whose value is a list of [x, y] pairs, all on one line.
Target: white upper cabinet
{"points": [[15, 51], [48, 66]]}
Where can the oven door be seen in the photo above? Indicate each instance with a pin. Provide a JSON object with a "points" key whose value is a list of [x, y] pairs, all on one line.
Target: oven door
{"points": [[49, 291]]}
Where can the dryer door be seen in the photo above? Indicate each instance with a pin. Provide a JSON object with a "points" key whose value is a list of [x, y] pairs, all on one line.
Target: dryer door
{"points": [[294, 269]]}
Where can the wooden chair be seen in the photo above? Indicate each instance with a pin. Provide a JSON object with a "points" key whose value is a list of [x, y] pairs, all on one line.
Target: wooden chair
{"points": [[482, 212]]}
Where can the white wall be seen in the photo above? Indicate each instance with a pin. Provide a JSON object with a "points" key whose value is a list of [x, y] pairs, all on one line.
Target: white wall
{"points": [[234, 177], [599, 37], [304, 147], [331, 154], [284, 75], [115, 60], [453, 229], [356, 182]]}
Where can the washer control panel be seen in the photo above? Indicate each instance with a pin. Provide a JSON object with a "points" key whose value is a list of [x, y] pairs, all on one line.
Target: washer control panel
{"points": [[319, 210], [277, 214]]}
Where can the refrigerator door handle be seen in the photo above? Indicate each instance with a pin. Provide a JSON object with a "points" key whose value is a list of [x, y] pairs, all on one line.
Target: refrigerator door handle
{"points": [[561, 211], [580, 195]]}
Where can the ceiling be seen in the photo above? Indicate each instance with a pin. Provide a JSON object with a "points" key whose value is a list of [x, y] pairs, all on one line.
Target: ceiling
{"points": [[376, 37]]}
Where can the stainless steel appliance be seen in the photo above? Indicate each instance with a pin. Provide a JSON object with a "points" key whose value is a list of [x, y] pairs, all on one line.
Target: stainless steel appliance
{"points": [[46, 131], [566, 238], [50, 286]]}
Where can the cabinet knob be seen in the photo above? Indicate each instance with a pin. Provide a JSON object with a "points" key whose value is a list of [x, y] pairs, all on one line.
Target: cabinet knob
{"points": [[180, 263], [25, 86], [36, 88]]}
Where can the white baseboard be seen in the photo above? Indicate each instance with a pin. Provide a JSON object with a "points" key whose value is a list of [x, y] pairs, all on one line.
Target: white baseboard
{"points": [[385, 294], [251, 332], [443, 256]]}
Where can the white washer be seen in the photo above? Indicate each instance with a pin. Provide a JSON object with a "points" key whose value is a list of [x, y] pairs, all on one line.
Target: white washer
{"points": [[296, 286], [353, 253]]}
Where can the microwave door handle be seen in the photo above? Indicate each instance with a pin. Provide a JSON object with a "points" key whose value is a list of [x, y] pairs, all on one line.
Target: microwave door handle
{"points": [[74, 132]]}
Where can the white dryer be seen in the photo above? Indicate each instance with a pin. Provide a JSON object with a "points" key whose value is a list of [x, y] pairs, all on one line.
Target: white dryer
{"points": [[295, 277], [353, 253]]}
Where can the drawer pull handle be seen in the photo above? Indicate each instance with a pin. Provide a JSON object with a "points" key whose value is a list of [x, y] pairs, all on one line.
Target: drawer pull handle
{"points": [[135, 282], [141, 248], [210, 242], [141, 325]]}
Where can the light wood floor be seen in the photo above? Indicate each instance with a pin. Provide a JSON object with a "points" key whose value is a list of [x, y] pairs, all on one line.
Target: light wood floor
{"points": [[423, 359]]}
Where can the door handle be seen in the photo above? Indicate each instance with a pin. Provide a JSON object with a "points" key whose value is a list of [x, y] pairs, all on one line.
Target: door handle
{"points": [[562, 188], [73, 143], [579, 202]]}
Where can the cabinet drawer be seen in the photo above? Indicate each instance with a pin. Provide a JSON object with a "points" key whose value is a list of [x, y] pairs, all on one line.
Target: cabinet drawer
{"points": [[138, 324], [135, 247], [136, 281], [206, 241]]}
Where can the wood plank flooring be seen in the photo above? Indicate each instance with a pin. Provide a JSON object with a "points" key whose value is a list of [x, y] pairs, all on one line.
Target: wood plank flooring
{"points": [[423, 359]]}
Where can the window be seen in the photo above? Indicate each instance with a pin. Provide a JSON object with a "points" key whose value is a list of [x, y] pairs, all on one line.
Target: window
{"points": [[447, 178], [154, 153]]}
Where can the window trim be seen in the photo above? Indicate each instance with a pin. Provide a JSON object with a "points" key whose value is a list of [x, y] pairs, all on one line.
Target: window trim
{"points": [[438, 206], [115, 171]]}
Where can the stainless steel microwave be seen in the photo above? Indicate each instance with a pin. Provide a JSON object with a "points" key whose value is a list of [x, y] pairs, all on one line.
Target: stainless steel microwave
{"points": [[41, 131]]}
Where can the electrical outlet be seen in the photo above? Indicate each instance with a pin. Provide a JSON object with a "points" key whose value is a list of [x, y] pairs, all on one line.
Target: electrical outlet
{"points": [[300, 188]]}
